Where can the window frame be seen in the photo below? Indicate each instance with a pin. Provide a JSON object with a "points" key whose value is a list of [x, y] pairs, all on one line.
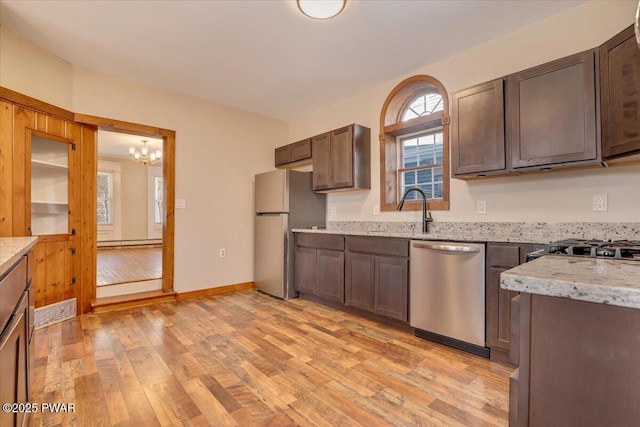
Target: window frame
{"points": [[391, 127]]}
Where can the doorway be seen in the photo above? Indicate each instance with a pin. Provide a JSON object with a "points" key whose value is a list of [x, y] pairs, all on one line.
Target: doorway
{"points": [[166, 201], [129, 214]]}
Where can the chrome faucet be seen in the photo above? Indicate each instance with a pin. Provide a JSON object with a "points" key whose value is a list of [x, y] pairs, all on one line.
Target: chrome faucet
{"points": [[425, 219]]}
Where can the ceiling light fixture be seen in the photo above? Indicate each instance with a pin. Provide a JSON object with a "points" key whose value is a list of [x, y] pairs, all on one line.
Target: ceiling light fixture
{"points": [[321, 9], [143, 156]]}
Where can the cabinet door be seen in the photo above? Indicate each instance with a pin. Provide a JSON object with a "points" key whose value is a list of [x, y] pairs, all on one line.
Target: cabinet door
{"points": [[477, 133], [342, 157], [552, 113], [283, 155], [330, 276], [390, 288], [321, 146], [13, 365], [498, 310], [619, 94], [359, 280], [53, 271], [305, 270], [301, 150]]}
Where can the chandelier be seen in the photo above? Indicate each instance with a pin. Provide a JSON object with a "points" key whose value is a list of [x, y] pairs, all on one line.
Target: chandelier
{"points": [[143, 155]]}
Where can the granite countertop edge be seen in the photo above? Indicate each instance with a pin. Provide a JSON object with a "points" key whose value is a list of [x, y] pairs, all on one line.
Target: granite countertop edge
{"points": [[603, 281], [12, 248]]}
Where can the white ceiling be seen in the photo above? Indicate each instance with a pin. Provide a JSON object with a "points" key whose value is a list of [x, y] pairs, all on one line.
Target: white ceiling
{"points": [[264, 55], [116, 144]]}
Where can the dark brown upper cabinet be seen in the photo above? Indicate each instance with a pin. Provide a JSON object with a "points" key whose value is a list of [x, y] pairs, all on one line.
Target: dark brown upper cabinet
{"points": [[294, 153], [551, 113], [477, 132], [342, 159], [620, 95]]}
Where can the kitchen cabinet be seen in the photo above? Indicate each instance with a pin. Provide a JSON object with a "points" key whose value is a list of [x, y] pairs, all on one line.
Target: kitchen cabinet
{"points": [[552, 114], [578, 364], [342, 159], [619, 95], [376, 275], [294, 153], [319, 266], [501, 257], [477, 132], [15, 363]]}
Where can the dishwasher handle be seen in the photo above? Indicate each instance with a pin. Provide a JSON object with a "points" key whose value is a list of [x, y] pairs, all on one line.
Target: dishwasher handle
{"points": [[446, 248]]}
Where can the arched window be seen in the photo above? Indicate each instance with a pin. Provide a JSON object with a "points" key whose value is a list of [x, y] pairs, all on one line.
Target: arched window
{"points": [[414, 144]]}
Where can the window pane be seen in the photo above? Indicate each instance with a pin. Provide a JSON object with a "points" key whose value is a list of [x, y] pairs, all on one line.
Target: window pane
{"points": [[105, 196], [437, 174], [408, 178], [410, 153], [437, 191], [158, 200], [423, 105], [424, 176], [427, 188]]}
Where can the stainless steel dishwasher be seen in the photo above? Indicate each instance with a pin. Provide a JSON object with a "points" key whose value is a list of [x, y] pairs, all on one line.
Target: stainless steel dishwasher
{"points": [[447, 293]]}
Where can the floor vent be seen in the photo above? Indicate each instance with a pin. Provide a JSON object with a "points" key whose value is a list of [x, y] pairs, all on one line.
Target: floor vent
{"points": [[54, 313]]}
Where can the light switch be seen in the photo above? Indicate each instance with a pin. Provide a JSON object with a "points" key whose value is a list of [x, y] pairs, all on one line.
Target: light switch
{"points": [[181, 203]]}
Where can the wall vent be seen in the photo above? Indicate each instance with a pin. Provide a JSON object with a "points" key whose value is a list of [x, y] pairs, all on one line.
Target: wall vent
{"points": [[54, 313]]}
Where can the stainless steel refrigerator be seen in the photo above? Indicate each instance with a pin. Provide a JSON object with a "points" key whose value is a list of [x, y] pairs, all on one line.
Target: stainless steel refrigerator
{"points": [[284, 200]]}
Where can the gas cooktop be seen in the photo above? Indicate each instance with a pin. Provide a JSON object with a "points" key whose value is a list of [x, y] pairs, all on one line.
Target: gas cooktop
{"points": [[616, 249]]}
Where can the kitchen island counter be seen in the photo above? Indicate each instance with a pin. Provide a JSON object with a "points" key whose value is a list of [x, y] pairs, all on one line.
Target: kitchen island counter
{"points": [[605, 281], [12, 248]]}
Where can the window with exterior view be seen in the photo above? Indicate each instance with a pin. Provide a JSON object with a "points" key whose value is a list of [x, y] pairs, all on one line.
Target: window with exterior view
{"points": [[158, 200], [414, 125], [105, 198]]}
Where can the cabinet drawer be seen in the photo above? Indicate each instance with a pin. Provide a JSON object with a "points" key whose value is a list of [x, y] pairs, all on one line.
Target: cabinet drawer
{"points": [[11, 288], [321, 241], [378, 245], [503, 255]]}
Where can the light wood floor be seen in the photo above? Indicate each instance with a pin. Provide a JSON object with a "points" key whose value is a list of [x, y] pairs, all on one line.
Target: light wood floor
{"points": [[247, 359], [128, 265]]}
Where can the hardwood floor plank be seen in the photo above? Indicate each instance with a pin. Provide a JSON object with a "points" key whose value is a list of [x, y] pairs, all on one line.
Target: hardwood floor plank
{"points": [[246, 359], [128, 265]]}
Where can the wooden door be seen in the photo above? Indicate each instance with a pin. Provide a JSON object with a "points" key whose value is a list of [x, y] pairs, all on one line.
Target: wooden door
{"points": [[359, 280], [391, 287], [13, 365], [551, 112], [477, 134], [54, 272], [305, 270], [321, 147], [283, 155], [330, 275], [619, 95], [342, 157], [301, 150]]}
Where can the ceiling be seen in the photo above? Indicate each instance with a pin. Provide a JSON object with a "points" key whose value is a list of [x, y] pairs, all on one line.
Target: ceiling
{"points": [[265, 56], [116, 144]]}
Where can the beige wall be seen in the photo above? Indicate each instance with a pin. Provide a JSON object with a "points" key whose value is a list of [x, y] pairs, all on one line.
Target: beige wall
{"points": [[33, 71], [219, 149], [553, 197]]}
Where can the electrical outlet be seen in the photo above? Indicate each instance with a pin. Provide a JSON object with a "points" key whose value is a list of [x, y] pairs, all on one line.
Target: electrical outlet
{"points": [[376, 209], [481, 207], [181, 203], [223, 253], [332, 211], [599, 202]]}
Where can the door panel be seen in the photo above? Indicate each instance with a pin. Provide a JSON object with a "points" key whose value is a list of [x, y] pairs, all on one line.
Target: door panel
{"points": [[342, 157], [321, 148], [306, 270], [391, 287], [330, 275], [359, 275]]}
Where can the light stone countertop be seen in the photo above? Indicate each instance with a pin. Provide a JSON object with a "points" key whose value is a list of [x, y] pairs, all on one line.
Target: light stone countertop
{"points": [[517, 232], [605, 281], [12, 248]]}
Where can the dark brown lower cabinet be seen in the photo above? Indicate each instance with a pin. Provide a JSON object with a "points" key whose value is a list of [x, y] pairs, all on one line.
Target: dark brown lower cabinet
{"points": [[319, 266], [376, 275], [578, 364], [501, 257]]}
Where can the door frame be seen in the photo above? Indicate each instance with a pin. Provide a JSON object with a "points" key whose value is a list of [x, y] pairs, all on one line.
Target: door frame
{"points": [[168, 171]]}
